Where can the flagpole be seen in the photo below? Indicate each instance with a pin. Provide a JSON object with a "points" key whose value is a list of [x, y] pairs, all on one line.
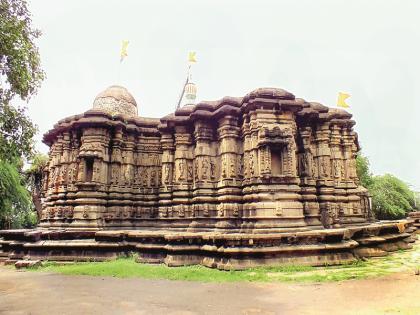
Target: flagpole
{"points": [[183, 88]]}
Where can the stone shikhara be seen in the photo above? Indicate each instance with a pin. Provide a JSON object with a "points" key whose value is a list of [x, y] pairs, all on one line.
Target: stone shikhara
{"points": [[263, 179]]}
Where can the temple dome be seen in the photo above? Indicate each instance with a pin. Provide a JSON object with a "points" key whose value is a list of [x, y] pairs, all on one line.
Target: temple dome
{"points": [[116, 100]]}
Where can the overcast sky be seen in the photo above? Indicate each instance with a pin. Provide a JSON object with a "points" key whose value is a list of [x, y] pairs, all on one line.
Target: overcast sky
{"points": [[313, 49]]}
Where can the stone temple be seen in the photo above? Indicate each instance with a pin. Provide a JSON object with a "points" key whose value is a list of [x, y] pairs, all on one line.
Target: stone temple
{"points": [[263, 179]]}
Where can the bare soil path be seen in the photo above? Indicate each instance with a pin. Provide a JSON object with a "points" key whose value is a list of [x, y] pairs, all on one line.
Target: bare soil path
{"points": [[24, 292]]}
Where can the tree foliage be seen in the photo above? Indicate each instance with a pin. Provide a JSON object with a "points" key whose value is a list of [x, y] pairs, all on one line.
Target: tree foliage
{"points": [[20, 77], [363, 172], [34, 179], [16, 134], [19, 57], [15, 199], [391, 197]]}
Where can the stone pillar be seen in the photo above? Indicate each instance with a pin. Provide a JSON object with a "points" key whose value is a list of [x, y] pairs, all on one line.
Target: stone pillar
{"points": [[229, 186], [307, 172], [325, 184], [168, 159], [182, 176], [205, 172]]}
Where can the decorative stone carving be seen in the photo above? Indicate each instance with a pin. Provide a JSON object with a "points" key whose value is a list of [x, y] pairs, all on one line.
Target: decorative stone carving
{"points": [[205, 169], [267, 156], [86, 212], [329, 214]]}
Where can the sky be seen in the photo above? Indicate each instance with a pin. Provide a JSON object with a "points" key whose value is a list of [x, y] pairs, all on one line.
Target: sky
{"points": [[313, 49]]}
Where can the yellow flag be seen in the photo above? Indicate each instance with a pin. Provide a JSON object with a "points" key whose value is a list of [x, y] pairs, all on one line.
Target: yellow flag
{"points": [[123, 52], [341, 101], [191, 57]]}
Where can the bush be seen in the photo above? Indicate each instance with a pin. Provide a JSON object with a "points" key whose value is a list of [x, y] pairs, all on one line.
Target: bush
{"points": [[15, 200], [391, 197]]}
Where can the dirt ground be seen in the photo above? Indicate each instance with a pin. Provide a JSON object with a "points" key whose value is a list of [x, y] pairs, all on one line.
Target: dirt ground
{"points": [[24, 292]]}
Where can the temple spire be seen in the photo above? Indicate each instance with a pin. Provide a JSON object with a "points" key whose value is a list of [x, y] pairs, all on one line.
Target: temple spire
{"points": [[189, 91]]}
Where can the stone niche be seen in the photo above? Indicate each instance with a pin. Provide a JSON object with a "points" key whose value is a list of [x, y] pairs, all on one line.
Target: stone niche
{"points": [[262, 179]]}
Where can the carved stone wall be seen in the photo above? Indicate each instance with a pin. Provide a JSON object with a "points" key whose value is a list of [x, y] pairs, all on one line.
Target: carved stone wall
{"points": [[267, 161]]}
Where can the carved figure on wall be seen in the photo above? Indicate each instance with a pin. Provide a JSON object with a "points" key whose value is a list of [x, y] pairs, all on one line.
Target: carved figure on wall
{"points": [[212, 169], [235, 211], [96, 172], [72, 173], [86, 212], [73, 155], [159, 177], [163, 212], [325, 167], [329, 215], [204, 168], [136, 176], [240, 166], [279, 210], [167, 173], [182, 170], [63, 173], [60, 212], [245, 164], [181, 210], [307, 164], [221, 210], [52, 178], [196, 167], [81, 171], [115, 174], [44, 181], [145, 176], [68, 212], [232, 166], [190, 172], [139, 212], [206, 210], [224, 166], [126, 212], [153, 177], [251, 164], [51, 212], [337, 168]]}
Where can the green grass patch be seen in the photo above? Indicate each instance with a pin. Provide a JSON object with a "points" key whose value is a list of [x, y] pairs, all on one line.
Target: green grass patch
{"points": [[128, 267]]}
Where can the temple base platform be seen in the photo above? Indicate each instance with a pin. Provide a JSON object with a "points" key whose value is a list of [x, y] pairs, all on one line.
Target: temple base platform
{"points": [[225, 251]]}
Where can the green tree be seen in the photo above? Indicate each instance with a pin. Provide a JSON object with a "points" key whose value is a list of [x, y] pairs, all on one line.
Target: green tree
{"points": [[34, 179], [20, 77], [363, 171], [15, 199], [391, 197]]}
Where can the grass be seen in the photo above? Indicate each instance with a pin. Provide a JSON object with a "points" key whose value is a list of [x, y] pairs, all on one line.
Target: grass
{"points": [[127, 267]]}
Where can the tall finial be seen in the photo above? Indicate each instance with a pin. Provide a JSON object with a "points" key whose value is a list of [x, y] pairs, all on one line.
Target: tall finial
{"points": [[189, 89]]}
